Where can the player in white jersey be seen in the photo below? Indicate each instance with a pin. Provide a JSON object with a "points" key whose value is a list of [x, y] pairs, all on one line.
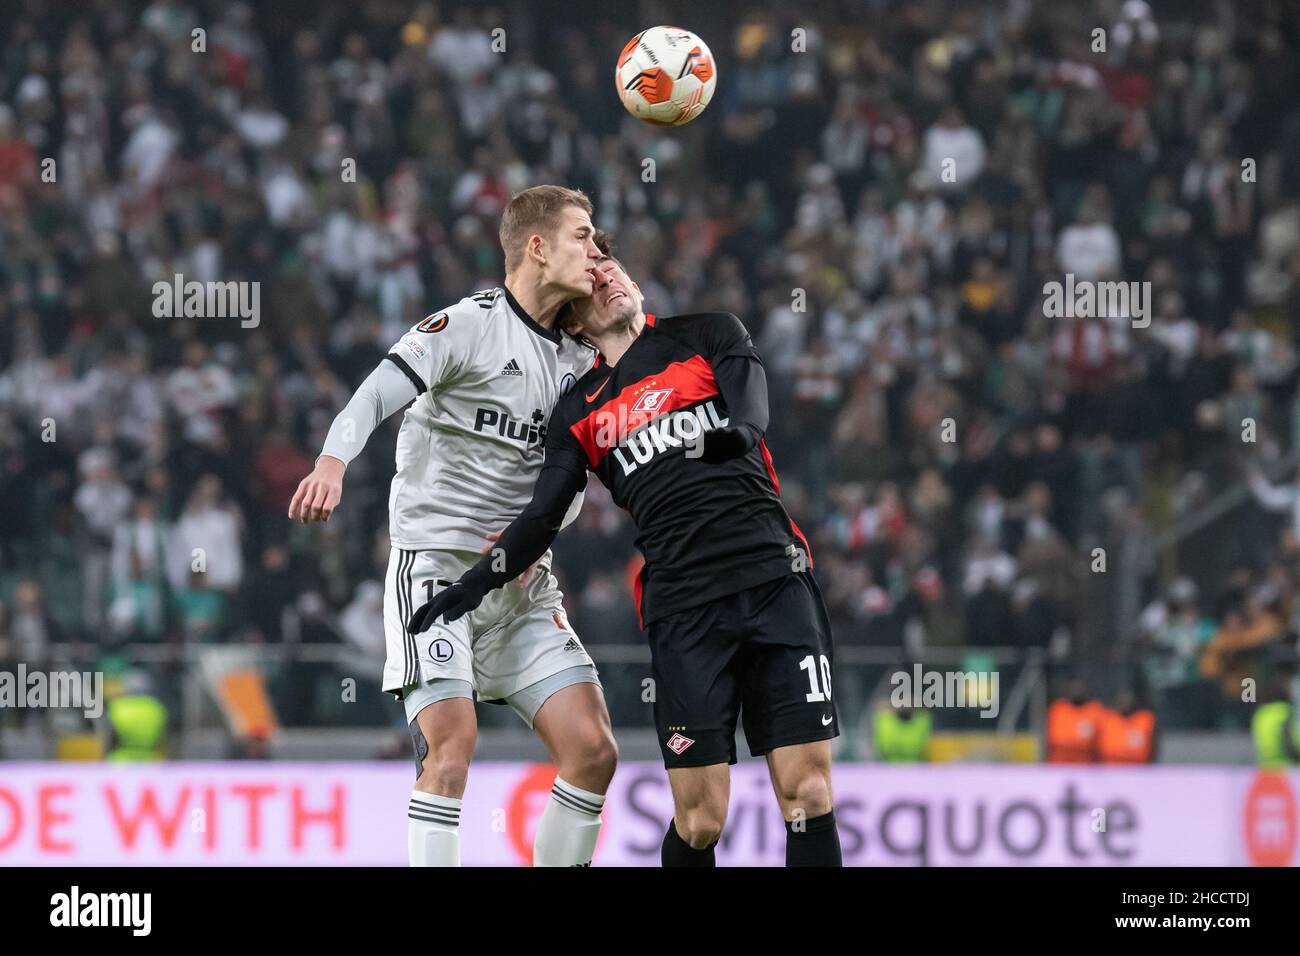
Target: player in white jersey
{"points": [[484, 375]]}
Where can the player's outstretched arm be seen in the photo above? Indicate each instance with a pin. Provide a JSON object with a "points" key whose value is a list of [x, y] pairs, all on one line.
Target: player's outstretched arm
{"points": [[520, 545], [384, 391]]}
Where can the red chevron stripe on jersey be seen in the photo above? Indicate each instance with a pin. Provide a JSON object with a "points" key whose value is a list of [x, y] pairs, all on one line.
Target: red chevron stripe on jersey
{"points": [[776, 486], [678, 385]]}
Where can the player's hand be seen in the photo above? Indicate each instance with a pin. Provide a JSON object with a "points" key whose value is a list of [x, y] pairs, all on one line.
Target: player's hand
{"points": [[318, 494], [724, 444], [520, 582], [449, 604]]}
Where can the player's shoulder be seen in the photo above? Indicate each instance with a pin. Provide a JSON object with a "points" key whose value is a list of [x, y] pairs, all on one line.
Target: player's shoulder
{"points": [[702, 326], [706, 332], [449, 335], [467, 313]]}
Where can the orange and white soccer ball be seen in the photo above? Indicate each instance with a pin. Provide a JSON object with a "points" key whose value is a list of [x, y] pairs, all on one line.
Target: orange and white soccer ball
{"points": [[666, 76]]}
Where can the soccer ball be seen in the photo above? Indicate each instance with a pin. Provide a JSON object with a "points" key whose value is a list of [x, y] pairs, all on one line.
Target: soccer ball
{"points": [[666, 76]]}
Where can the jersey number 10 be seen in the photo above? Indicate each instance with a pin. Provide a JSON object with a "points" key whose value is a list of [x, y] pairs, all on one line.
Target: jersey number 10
{"points": [[809, 664]]}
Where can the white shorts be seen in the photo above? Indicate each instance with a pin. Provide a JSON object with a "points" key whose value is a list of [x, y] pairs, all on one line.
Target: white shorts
{"points": [[517, 637]]}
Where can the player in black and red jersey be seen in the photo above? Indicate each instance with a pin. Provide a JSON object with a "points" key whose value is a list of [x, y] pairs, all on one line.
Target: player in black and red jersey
{"points": [[671, 420]]}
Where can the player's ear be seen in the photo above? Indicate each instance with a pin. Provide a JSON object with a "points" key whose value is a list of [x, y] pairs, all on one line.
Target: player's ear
{"points": [[536, 247]]}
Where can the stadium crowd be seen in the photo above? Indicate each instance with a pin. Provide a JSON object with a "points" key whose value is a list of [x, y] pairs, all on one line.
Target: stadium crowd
{"points": [[880, 191]]}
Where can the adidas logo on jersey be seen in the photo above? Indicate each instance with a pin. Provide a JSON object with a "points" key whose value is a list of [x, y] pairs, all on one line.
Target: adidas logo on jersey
{"points": [[572, 645], [512, 368]]}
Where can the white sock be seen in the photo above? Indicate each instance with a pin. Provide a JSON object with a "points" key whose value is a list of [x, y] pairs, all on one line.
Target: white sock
{"points": [[433, 830], [566, 835]]}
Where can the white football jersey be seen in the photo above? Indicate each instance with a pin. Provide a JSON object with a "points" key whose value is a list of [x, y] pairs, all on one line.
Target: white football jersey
{"points": [[472, 443]]}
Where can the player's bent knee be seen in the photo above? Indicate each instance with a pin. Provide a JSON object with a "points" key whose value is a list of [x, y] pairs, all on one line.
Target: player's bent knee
{"points": [[700, 827], [443, 775], [605, 753], [592, 758], [603, 757], [808, 792], [700, 816]]}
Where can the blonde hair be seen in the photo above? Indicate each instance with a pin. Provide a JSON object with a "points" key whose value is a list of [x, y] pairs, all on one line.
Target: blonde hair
{"points": [[535, 211]]}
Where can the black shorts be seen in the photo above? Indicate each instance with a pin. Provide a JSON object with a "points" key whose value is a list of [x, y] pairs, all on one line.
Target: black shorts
{"points": [[765, 650]]}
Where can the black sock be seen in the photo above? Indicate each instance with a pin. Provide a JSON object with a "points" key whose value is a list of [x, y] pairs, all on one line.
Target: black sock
{"points": [[815, 843], [677, 852]]}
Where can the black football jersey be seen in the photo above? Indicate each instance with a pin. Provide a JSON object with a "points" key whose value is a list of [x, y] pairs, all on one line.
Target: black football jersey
{"points": [[706, 530]]}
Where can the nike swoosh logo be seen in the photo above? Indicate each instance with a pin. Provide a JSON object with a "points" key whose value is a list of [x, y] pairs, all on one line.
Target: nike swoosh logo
{"points": [[592, 396], [826, 721]]}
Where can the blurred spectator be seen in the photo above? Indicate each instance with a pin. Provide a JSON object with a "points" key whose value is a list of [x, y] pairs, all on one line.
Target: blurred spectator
{"points": [[357, 622], [1274, 727], [269, 595], [103, 500], [200, 611], [1238, 650], [139, 573], [32, 633], [1073, 723], [137, 722], [1090, 248], [1127, 732], [901, 734], [953, 152], [1175, 632], [206, 540], [1284, 498]]}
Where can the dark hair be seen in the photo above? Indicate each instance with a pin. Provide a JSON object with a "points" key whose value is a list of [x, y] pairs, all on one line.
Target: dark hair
{"points": [[605, 243]]}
